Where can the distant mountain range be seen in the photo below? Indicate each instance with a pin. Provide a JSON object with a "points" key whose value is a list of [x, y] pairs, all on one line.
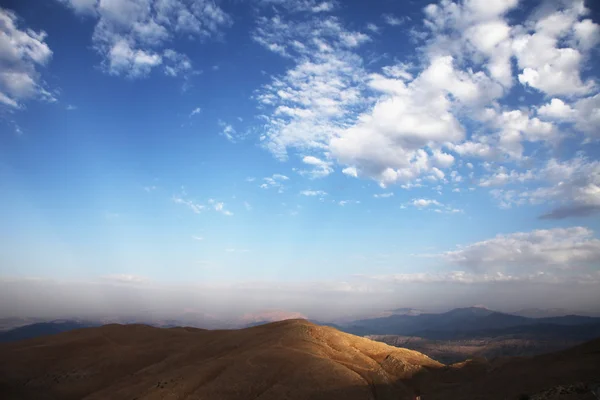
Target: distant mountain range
{"points": [[458, 322]]}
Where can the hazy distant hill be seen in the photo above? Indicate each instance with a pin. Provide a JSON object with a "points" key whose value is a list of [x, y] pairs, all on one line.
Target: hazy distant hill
{"points": [[286, 360], [42, 329]]}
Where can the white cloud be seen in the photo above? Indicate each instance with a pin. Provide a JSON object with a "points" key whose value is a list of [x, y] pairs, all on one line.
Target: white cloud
{"points": [[536, 251], [422, 203], [228, 131], [313, 6], [320, 168], [504, 177], [311, 193], [22, 52], [344, 202], [232, 250], [150, 188], [350, 171], [274, 181], [131, 62], [247, 206], [546, 64], [372, 27], [432, 205], [584, 113], [82, 6], [416, 124], [556, 109], [393, 20], [383, 195], [220, 207], [131, 35], [126, 279], [311, 99], [192, 205], [195, 111], [198, 238], [572, 186]]}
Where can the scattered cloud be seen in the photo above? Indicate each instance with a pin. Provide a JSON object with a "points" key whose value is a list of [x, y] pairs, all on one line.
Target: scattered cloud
{"points": [[22, 53], [573, 186], [274, 181], [410, 122], [198, 238], [195, 111], [133, 36], [192, 205], [383, 195], [433, 205]]}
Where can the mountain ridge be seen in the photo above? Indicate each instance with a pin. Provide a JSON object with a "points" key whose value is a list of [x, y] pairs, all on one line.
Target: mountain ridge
{"points": [[291, 359]]}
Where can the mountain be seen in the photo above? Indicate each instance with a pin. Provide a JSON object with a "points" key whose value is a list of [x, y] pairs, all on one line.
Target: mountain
{"points": [[541, 312], [460, 319], [292, 359], [9, 323], [454, 323], [42, 329]]}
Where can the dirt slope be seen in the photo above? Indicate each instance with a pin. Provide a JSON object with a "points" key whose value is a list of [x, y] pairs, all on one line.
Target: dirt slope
{"points": [[292, 359]]}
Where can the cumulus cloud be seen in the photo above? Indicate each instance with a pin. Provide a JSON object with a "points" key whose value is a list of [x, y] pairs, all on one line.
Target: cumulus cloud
{"points": [[545, 64], [409, 122], [133, 36], [583, 114], [22, 52]]}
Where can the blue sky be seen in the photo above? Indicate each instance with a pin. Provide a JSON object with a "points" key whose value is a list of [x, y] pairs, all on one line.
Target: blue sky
{"points": [[338, 146]]}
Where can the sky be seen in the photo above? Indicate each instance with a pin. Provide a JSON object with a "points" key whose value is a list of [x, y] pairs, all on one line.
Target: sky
{"points": [[327, 158]]}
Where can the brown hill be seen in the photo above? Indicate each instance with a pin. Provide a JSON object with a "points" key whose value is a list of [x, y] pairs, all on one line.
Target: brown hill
{"points": [[292, 359]]}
